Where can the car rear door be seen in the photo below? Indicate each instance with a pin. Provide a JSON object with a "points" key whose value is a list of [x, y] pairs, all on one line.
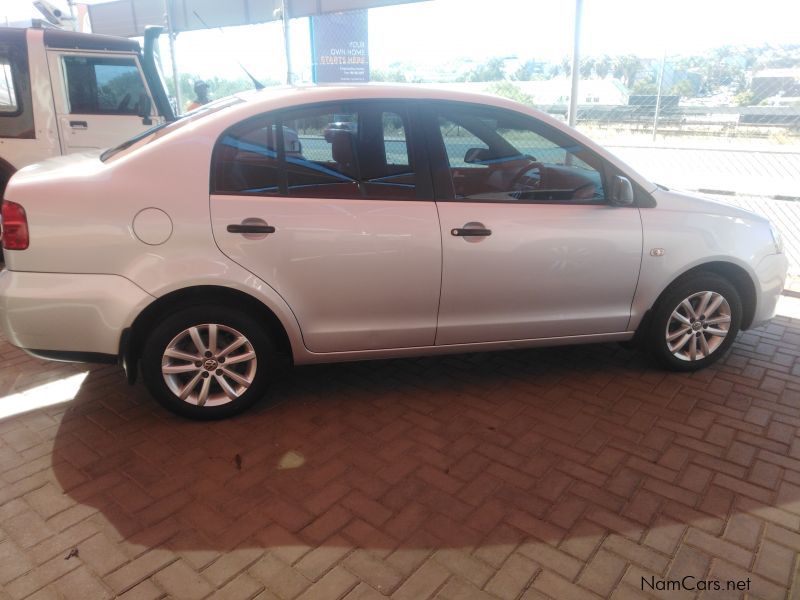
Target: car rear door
{"points": [[338, 217], [531, 247]]}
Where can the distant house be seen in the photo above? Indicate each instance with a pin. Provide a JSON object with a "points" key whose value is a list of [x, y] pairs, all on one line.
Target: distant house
{"points": [[769, 83]]}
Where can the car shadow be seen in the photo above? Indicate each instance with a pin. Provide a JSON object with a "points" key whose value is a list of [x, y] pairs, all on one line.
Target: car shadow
{"points": [[551, 452]]}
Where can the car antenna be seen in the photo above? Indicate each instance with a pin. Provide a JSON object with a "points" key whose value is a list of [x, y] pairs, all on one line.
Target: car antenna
{"points": [[256, 83]]}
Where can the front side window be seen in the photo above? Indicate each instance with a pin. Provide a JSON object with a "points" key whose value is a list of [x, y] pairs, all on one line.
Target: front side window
{"points": [[333, 151], [496, 155], [104, 85], [8, 93]]}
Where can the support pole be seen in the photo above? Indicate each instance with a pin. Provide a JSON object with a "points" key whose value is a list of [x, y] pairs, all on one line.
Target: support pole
{"points": [[175, 75], [572, 115], [286, 44], [658, 93]]}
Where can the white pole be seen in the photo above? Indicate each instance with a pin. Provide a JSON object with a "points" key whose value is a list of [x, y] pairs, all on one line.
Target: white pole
{"points": [[658, 93], [572, 115], [286, 44]]}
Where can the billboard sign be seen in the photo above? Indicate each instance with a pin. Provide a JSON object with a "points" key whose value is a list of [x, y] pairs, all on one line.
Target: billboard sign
{"points": [[340, 47]]}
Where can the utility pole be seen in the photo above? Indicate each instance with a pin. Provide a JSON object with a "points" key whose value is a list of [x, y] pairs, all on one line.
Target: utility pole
{"points": [[658, 93], [286, 45], [572, 114]]}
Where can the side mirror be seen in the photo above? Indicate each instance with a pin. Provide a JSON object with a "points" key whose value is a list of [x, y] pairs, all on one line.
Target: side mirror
{"points": [[621, 191], [476, 155], [145, 106]]}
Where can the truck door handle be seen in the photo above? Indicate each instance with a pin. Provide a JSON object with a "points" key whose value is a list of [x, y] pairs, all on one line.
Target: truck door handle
{"points": [[79, 124], [467, 232], [251, 228]]}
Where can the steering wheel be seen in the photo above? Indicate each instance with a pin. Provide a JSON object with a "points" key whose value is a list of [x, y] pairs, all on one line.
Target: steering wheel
{"points": [[584, 192], [123, 104], [520, 177]]}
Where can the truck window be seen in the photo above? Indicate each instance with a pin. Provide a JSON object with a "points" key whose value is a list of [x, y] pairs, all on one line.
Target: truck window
{"points": [[103, 85], [169, 127], [8, 95]]}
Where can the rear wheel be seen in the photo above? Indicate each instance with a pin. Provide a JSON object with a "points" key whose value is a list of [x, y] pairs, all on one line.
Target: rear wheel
{"points": [[208, 362], [695, 323]]}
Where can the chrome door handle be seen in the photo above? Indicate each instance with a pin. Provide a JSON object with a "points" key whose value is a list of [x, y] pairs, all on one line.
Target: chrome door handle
{"points": [[467, 232], [79, 124]]}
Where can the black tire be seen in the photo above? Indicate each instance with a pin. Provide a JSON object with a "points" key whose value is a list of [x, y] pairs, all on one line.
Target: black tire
{"points": [[232, 322], [655, 340]]}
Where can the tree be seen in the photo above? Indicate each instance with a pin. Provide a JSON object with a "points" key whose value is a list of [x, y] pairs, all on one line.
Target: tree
{"points": [[506, 89], [645, 87], [527, 71], [566, 66], [603, 66], [391, 75], [587, 67], [491, 70], [745, 98], [626, 68], [683, 88]]}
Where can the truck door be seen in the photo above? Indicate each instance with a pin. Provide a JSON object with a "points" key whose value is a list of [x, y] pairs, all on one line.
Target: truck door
{"points": [[100, 99]]}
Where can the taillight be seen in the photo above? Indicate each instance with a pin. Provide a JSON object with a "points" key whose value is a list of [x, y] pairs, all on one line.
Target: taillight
{"points": [[15, 226]]}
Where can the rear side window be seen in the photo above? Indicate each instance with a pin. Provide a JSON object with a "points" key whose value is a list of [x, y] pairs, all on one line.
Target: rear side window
{"points": [[334, 151], [8, 93], [246, 159], [103, 85]]}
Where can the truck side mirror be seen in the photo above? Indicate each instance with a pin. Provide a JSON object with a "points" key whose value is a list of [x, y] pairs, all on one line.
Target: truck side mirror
{"points": [[145, 106]]}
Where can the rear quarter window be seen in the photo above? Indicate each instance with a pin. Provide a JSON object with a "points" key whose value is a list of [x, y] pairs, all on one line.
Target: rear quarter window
{"points": [[8, 92]]}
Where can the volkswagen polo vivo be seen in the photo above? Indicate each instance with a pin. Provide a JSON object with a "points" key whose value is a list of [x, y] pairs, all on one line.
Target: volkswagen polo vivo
{"points": [[210, 249]]}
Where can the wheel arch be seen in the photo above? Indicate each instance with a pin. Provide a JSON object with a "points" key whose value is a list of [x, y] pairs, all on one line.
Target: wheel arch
{"points": [[738, 277], [6, 171], [133, 338]]}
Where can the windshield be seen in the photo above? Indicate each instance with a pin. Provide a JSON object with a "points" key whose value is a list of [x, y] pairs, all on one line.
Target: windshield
{"points": [[159, 131]]}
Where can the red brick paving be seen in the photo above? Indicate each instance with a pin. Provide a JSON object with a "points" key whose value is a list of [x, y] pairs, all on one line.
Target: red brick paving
{"points": [[560, 473]]}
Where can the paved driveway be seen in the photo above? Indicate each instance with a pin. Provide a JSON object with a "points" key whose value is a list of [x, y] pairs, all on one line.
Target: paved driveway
{"points": [[563, 473]]}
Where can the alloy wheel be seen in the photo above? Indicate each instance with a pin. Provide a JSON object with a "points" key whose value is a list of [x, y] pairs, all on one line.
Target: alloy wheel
{"points": [[698, 326], [209, 364]]}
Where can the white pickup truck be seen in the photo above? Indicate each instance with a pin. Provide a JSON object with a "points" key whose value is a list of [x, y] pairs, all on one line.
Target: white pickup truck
{"points": [[64, 92]]}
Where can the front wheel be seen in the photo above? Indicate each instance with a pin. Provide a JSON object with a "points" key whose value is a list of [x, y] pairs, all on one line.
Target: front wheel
{"points": [[208, 362], [695, 323]]}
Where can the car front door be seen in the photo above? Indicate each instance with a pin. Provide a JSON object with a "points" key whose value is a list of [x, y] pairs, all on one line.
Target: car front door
{"points": [[531, 247], [101, 99], [332, 206]]}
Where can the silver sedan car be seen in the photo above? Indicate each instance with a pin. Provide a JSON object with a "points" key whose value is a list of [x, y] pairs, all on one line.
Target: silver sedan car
{"points": [[207, 251]]}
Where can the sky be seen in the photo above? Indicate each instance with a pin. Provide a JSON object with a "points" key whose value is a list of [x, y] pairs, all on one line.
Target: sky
{"points": [[439, 32]]}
